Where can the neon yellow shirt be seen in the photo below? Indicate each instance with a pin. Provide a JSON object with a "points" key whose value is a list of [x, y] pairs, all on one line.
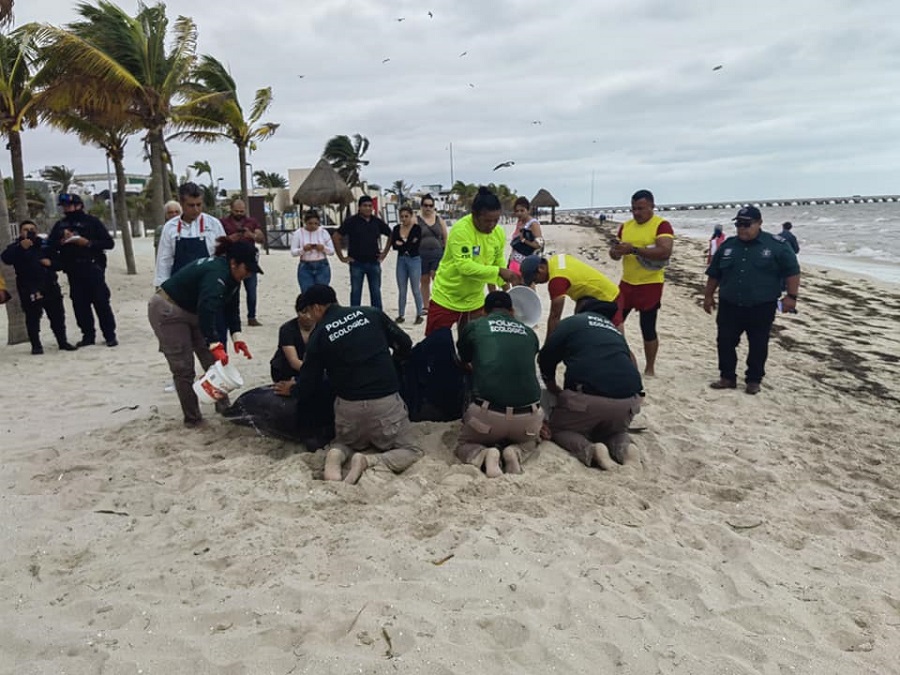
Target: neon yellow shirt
{"points": [[635, 272], [471, 260], [578, 280]]}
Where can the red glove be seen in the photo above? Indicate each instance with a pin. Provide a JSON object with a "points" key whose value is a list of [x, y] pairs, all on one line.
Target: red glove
{"points": [[240, 347], [218, 351]]}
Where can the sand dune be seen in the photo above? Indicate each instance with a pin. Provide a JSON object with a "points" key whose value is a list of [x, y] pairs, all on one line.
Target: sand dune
{"points": [[759, 536]]}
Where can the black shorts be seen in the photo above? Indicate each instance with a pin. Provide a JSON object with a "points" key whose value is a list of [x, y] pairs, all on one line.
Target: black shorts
{"points": [[430, 260]]}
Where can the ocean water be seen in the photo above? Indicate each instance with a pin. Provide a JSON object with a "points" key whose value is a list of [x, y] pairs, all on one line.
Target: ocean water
{"points": [[856, 238]]}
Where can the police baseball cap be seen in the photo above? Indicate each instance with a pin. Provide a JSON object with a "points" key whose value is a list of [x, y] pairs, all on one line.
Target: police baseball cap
{"points": [[750, 213], [318, 294], [529, 267], [69, 198], [244, 251]]}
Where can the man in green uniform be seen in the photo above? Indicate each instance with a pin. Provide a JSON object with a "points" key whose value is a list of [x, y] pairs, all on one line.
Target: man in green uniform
{"points": [[474, 257], [505, 407], [602, 388], [748, 270], [353, 346]]}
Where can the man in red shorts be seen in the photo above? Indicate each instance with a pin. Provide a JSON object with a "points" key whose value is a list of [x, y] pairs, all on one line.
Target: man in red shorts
{"points": [[644, 247]]}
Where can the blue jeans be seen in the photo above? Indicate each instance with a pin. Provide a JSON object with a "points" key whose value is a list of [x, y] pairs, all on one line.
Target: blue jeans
{"points": [[409, 271], [250, 284], [370, 271], [313, 272]]}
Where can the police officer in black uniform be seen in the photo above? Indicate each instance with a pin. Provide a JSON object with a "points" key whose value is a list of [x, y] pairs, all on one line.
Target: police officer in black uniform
{"points": [[748, 270], [78, 243], [37, 285]]}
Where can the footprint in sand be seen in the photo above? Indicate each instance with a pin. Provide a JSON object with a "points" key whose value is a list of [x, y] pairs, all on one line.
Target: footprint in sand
{"points": [[507, 633]]}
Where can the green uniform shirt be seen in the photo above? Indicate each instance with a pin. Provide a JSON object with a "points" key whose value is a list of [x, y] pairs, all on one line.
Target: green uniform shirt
{"points": [[750, 272], [471, 260], [205, 287], [501, 350], [596, 357]]}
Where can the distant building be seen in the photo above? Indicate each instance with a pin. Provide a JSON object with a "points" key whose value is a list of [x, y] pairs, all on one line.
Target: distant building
{"points": [[135, 183]]}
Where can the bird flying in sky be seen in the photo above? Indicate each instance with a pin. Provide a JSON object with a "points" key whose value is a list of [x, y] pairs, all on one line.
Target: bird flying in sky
{"points": [[718, 68], [402, 18], [385, 60], [463, 54], [471, 85], [504, 165], [430, 15], [536, 122]]}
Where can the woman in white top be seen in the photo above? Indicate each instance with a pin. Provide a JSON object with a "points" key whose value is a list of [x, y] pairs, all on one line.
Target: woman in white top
{"points": [[527, 238], [312, 244]]}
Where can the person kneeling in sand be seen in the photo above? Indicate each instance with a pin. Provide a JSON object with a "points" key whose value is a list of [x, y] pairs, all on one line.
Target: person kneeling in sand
{"points": [[505, 407], [353, 346], [602, 391]]}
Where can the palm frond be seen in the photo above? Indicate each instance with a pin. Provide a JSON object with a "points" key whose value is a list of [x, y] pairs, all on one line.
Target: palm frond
{"points": [[261, 103]]}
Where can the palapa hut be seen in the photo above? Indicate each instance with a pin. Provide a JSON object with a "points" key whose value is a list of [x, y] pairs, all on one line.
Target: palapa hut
{"points": [[543, 200], [323, 186]]}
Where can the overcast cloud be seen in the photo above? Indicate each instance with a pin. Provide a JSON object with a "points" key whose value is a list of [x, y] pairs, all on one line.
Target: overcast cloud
{"points": [[805, 103]]}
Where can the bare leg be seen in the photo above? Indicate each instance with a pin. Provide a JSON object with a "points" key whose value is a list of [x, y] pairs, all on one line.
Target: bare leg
{"points": [[425, 286], [511, 459], [602, 458], [358, 464], [334, 458], [492, 463], [650, 349]]}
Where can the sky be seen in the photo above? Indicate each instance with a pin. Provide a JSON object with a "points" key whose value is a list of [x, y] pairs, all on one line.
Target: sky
{"points": [[591, 99]]}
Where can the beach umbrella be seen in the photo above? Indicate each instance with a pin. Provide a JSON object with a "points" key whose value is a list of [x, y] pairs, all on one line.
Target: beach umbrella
{"points": [[323, 186], [543, 200]]}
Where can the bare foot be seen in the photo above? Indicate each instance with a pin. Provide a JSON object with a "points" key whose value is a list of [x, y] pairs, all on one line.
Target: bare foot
{"points": [[602, 458], [333, 460], [511, 459], [650, 371], [358, 464], [492, 463], [631, 456]]}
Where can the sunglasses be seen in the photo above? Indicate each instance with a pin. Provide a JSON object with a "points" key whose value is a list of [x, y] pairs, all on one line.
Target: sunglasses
{"points": [[743, 223]]}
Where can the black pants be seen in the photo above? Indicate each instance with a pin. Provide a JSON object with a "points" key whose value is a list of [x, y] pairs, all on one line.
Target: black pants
{"points": [[89, 294], [50, 302], [756, 322]]}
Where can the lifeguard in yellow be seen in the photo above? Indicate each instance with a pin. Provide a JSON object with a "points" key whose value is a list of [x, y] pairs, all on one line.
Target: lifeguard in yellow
{"points": [[570, 277], [474, 257], [644, 247]]}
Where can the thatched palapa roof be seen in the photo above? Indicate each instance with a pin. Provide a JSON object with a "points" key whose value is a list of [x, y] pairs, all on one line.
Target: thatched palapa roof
{"points": [[323, 186], [543, 200]]}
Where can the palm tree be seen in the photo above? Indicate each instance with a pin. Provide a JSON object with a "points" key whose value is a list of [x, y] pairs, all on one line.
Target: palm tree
{"points": [[270, 181], [346, 157], [400, 188], [59, 174], [120, 56], [218, 114], [108, 130], [202, 167], [19, 103]]}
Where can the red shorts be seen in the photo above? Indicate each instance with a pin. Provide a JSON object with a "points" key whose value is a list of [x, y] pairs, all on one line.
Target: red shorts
{"points": [[441, 317], [643, 298]]}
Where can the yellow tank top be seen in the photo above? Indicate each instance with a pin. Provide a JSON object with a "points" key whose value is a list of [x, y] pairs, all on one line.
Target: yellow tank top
{"points": [[635, 271], [586, 282]]}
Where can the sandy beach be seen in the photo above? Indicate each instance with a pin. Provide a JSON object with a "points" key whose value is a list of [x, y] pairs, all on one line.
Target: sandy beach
{"points": [[760, 534]]}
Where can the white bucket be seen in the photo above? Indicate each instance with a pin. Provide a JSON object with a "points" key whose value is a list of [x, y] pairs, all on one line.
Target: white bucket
{"points": [[218, 381], [526, 305]]}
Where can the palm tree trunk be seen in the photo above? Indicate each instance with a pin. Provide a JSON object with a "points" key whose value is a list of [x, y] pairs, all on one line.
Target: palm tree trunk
{"points": [[121, 207], [18, 169], [16, 332], [159, 177], [242, 163]]}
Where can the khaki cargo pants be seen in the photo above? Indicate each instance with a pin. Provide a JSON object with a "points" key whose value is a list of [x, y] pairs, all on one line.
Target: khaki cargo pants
{"points": [[579, 420], [484, 428]]}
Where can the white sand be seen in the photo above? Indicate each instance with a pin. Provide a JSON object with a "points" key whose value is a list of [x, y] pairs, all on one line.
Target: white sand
{"points": [[761, 535]]}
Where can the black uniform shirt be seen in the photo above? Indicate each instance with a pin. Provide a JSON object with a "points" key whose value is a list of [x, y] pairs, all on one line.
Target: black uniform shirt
{"points": [[72, 257], [353, 345], [750, 272], [596, 357], [363, 237], [32, 276]]}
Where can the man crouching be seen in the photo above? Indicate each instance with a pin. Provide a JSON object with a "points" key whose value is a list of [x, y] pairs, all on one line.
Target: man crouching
{"points": [[505, 408], [353, 346]]}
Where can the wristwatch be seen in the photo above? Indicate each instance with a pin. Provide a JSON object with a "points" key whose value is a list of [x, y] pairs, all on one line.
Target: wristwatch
{"points": [[791, 296]]}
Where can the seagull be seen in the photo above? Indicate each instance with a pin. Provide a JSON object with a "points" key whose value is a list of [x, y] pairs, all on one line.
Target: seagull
{"points": [[718, 68], [430, 15], [463, 54], [536, 122], [504, 165], [402, 18], [301, 76], [471, 85], [385, 60]]}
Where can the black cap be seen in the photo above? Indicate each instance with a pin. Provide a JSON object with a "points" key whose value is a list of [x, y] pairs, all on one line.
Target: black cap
{"points": [[750, 213], [529, 267], [318, 294], [67, 198], [244, 251]]}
